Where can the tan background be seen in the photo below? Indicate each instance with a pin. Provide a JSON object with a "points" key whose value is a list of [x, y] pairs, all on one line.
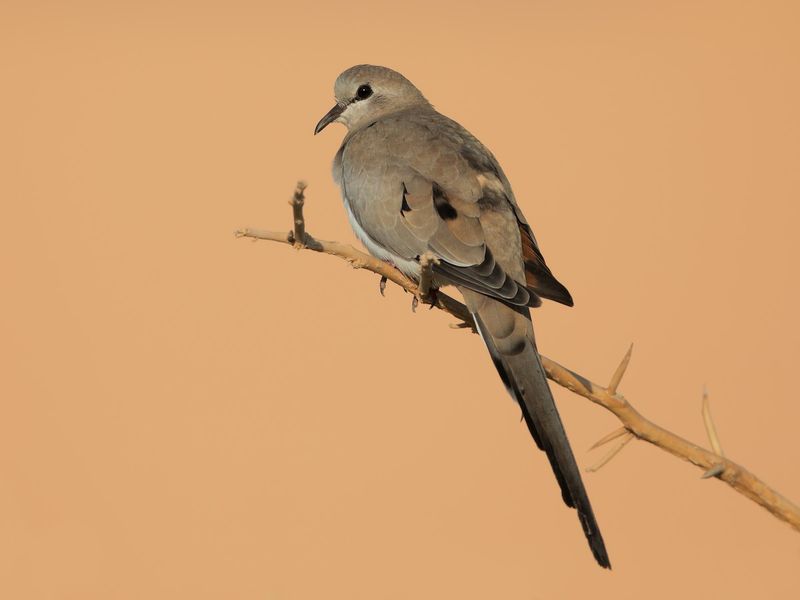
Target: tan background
{"points": [[186, 415]]}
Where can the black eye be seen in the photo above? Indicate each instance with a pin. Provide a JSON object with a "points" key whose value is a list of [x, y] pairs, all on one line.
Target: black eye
{"points": [[364, 92]]}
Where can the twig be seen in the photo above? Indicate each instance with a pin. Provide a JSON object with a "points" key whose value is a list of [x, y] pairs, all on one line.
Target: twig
{"points": [[298, 221], [628, 436], [610, 437], [736, 476]]}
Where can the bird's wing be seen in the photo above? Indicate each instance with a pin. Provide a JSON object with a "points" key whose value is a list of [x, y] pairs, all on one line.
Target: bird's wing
{"points": [[420, 183]]}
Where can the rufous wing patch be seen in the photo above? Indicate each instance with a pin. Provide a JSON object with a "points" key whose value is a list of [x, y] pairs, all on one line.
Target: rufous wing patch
{"points": [[537, 274]]}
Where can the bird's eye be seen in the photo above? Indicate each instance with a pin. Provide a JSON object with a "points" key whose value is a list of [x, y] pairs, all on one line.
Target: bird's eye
{"points": [[364, 92]]}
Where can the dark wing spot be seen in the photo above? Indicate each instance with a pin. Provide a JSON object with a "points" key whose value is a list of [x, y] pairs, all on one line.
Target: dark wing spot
{"points": [[446, 210], [404, 207], [443, 207]]}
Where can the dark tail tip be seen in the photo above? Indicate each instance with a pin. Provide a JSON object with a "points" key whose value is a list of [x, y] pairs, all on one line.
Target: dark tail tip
{"points": [[600, 554], [593, 536]]}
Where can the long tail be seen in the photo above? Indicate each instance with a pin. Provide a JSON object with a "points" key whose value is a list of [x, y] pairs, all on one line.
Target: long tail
{"points": [[508, 334]]}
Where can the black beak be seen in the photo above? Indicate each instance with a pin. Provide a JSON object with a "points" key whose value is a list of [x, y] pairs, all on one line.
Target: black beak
{"points": [[329, 118]]}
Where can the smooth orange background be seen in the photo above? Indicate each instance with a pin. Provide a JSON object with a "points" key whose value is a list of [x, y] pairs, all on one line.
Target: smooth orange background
{"points": [[187, 415]]}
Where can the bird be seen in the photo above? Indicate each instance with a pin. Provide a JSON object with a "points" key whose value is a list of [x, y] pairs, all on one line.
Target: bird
{"points": [[415, 184]]}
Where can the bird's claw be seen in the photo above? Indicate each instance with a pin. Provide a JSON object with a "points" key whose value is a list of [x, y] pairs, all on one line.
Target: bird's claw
{"points": [[429, 299], [383, 285]]}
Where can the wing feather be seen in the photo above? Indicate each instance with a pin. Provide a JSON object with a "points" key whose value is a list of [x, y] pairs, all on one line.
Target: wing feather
{"points": [[421, 183]]}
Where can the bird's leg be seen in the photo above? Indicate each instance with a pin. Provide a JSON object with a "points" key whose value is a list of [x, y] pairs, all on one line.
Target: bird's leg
{"points": [[426, 292]]}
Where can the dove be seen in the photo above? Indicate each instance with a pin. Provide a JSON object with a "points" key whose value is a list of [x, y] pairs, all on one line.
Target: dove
{"points": [[416, 183]]}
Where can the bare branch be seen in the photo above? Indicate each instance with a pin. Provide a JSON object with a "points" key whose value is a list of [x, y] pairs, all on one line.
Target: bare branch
{"points": [[712, 463]]}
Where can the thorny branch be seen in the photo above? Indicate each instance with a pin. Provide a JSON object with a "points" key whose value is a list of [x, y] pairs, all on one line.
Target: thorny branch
{"points": [[713, 462]]}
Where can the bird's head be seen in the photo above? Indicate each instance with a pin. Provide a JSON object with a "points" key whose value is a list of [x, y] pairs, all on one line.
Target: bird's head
{"points": [[365, 93]]}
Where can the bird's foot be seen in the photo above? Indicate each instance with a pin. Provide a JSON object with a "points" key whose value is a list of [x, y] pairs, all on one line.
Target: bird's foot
{"points": [[430, 299]]}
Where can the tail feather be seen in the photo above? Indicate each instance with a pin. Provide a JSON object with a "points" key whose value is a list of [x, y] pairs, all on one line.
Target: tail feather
{"points": [[521, 370]]}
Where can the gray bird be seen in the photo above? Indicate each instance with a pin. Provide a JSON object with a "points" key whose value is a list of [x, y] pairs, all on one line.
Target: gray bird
{"points": [[414, 182]]}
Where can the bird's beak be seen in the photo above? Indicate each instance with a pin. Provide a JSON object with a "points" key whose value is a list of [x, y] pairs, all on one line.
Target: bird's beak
{"points": [[329, 118]]}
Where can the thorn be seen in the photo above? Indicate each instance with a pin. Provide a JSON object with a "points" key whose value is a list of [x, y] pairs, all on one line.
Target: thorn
{"points": [[611, 436], [603, 461], [618, 374], [383, 285], [714, 471], [711, 430], [414, 303]]}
